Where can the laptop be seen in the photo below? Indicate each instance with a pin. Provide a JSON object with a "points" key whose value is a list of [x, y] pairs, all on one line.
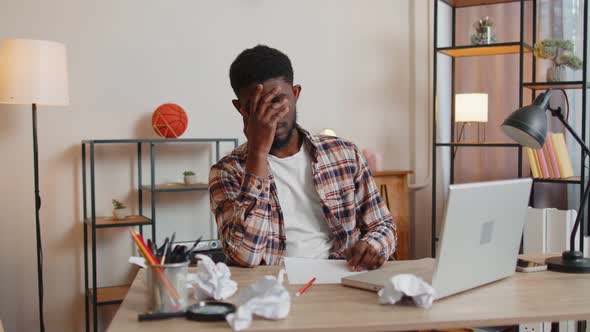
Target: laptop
{"points": [[479, 242]]}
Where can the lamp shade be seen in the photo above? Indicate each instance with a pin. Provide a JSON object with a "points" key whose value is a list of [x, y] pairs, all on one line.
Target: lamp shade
{"points": [[471, 107], [528, 125], [33, 72]]}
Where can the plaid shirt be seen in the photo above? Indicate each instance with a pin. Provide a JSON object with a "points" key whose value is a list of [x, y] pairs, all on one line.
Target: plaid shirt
{"points": [[249, 217]]}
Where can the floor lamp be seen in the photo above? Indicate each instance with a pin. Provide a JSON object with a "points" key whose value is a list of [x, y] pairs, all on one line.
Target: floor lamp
{"points": [[34, 72]]}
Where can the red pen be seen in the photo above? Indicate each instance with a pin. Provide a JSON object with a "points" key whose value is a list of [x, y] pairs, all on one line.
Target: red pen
{"points": [[304, 288]]}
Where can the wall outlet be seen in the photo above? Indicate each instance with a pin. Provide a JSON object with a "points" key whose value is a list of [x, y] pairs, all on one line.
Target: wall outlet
{"points": [[535, 327]]}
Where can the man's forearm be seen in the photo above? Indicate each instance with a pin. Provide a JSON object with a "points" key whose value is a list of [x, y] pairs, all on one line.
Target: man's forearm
{"points": [[382, 235], [241, 208], [375, 219], [245, 241], [256, 163]]}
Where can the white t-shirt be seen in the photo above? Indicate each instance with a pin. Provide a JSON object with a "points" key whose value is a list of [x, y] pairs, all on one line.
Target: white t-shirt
{"points": [[306, 229]]}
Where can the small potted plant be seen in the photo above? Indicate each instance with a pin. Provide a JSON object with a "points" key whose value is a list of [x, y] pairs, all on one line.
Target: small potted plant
{"points": [[119, 210], [484, 33], [189, 177], [560, 53]]}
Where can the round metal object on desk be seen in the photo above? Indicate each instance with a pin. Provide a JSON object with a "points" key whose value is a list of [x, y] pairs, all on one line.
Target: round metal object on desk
{"points": [[210, 311]]}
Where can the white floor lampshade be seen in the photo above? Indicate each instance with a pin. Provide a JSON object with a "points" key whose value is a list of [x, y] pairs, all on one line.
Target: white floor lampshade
{"points": [[33, 72]]}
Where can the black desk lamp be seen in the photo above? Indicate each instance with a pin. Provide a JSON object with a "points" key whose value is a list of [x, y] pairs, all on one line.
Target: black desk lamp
{"points": [[528, 127]]}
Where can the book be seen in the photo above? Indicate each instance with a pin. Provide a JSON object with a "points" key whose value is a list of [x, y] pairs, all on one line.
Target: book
{"points": [[535, 230], [543, 164], [532, 162], [559, 226], [551, 155], [537, 164], [549, 167], [548, 231], [567, 326], [563, 160]]}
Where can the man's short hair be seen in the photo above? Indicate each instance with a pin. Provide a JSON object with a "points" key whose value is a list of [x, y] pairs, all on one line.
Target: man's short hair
{"points": [[258, 64]]}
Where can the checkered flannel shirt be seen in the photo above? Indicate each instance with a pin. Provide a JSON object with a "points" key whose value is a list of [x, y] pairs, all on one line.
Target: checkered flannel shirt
{"points": [[249, 217]]}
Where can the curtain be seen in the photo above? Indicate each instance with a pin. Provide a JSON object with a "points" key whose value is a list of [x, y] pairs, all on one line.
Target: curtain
{"points": [[562, 19]]}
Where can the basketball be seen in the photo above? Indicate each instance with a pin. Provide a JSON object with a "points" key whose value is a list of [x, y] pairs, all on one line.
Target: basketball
{"points": [[169, 120]]}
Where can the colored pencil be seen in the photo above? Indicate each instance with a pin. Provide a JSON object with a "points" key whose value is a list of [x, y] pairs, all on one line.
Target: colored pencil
{"points": [[304, 288]]}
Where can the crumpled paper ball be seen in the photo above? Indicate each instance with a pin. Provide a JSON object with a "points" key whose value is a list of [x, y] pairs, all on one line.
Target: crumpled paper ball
{"points": [[407, 285], [266, 298], [212, 280]]}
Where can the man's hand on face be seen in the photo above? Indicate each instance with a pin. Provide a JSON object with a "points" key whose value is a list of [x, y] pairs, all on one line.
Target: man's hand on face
{"points": [[362, 256], [260, 119]]}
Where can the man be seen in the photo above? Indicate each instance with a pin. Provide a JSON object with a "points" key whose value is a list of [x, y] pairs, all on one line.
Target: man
{"points": [[289, 193]]}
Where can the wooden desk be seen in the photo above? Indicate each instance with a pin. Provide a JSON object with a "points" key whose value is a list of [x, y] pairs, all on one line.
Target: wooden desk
{"points": [[524, 297], [394, 185]]}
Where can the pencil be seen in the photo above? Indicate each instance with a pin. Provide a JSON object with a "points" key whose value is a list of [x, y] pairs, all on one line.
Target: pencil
{"points": [[304, 288]]}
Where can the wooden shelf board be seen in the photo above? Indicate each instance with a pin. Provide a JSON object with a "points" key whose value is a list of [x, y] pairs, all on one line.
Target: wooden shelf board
{"points": [[389, 173], [109, 295], [570, 85], [177, 187], [484, 50], [470, 3], [474, 144], [129, 221], [573, 179], [160, 140]]}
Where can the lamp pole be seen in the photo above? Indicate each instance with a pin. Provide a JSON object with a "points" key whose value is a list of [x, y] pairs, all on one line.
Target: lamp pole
{"points": [[37, 223]]}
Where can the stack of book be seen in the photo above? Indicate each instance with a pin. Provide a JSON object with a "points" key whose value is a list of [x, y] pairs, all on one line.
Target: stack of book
{"points": [[552, 161], [548, 231]]}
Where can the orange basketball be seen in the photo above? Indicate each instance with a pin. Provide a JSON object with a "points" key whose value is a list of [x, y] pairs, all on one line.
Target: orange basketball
{"points": [[169, 121]]}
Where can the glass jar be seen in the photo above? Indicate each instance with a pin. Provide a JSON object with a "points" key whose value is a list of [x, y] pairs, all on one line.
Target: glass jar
{"points": [[167, 287]]}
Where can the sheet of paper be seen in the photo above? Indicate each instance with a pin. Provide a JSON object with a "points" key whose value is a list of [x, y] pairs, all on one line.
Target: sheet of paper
{"points": [[326, 271]]}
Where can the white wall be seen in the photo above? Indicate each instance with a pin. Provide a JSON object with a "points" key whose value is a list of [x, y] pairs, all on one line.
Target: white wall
{"points": [[364, 71]]}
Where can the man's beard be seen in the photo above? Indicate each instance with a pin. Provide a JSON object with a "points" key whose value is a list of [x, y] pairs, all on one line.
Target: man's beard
{"points": [[278, 143]]}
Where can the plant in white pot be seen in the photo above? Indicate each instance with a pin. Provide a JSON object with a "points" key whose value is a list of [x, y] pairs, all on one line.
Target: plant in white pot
{"points": [[189, 177], [560, 53], [119, 210]]}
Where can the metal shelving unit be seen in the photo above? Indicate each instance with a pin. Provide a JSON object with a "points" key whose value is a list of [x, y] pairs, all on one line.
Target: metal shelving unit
{"points": [[101, 296], [520, 48]]}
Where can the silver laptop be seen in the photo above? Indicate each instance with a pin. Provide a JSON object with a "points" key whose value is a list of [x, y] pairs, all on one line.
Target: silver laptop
{"points": [[479, 242]]}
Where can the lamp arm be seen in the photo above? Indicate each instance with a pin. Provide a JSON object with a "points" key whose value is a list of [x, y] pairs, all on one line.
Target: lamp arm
{"points": [[558, 114]]}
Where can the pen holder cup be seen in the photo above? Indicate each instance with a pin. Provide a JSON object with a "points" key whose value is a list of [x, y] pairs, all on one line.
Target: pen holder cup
{"points": [[167, 287]]}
